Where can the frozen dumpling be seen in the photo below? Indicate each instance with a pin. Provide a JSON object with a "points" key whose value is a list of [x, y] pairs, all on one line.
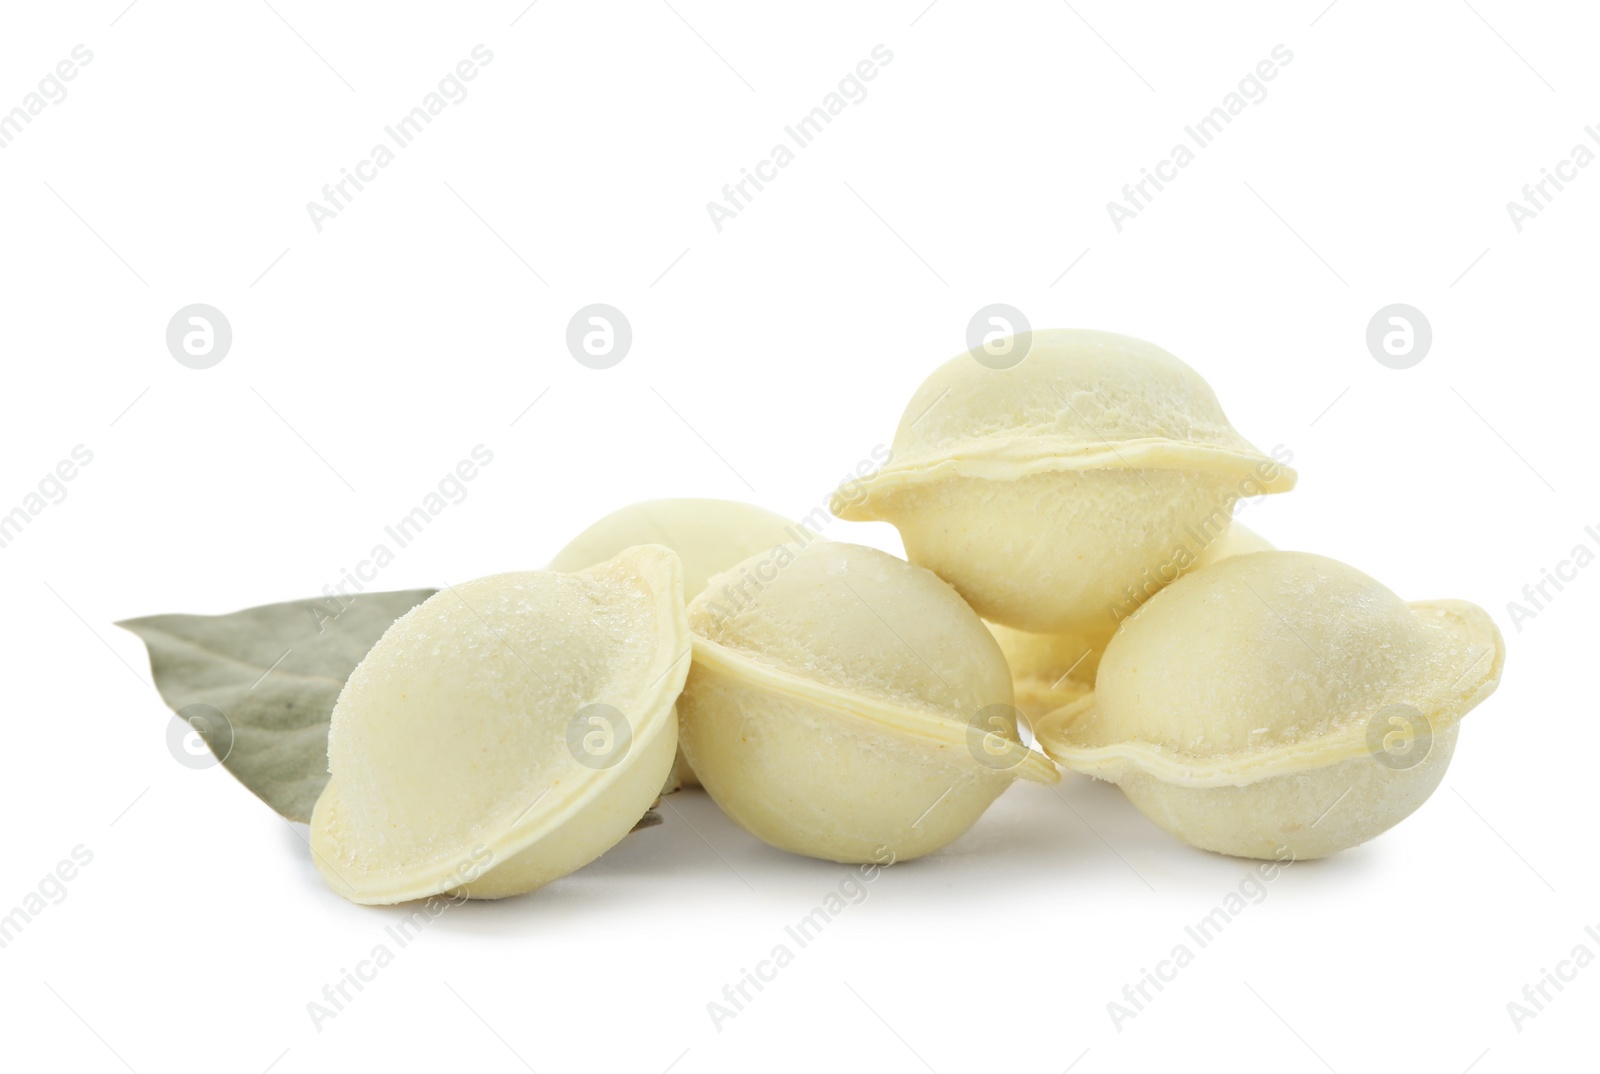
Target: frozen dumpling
{"points": [[1048, 492], [1280, 704], [709, 536], [504, 732], [851, 707]]}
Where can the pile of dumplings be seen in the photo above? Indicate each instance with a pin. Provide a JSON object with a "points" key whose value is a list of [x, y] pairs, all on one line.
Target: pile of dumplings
{"points": [[1072, 568]]}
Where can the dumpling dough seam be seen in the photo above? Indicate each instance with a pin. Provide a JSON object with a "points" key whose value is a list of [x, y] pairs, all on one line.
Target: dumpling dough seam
{"points": [[1239, 769], [879, 715]]}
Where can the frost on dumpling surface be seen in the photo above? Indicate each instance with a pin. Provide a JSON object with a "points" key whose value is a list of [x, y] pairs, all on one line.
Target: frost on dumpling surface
{"points": [[1053, 493], [862, 622], [1075, 385], [456, 722], [1264, 650], [708, 535]]}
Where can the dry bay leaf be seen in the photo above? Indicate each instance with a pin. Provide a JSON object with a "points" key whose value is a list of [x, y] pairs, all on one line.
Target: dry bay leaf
{"points": [[274, 672]]}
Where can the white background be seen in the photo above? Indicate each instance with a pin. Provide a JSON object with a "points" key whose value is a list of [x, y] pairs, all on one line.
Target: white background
{"points": [[768, 360]]}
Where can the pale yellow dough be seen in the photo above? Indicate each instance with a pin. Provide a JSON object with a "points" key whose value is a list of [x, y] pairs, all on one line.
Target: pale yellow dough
{"points": [[1048, 670], [1047, 492], [1280, 704], [1239, 540], [709, 536], [851, 707], [1052, 670], [465, 753]]}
